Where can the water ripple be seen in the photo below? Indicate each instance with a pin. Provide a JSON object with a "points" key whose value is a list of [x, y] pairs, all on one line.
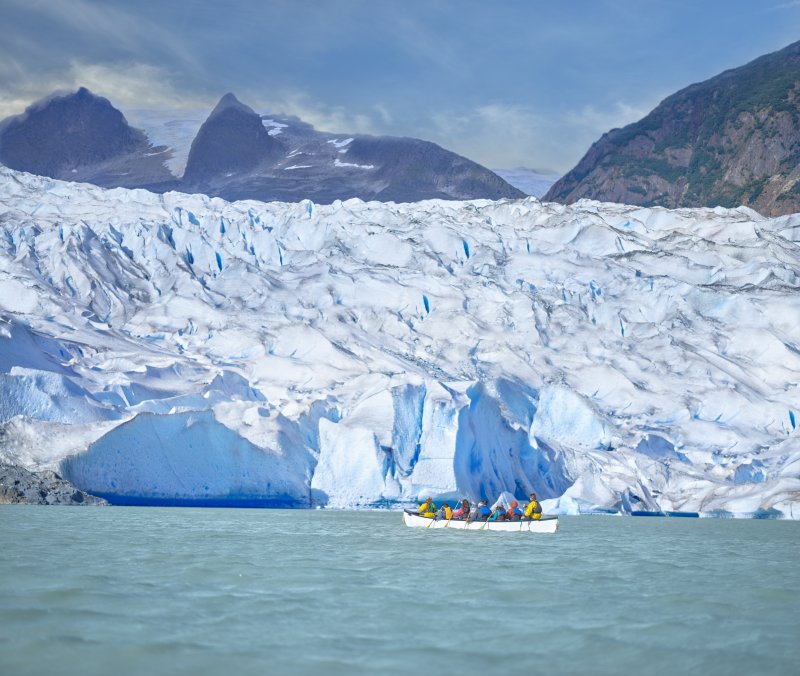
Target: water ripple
{"points": [[252, 591]]}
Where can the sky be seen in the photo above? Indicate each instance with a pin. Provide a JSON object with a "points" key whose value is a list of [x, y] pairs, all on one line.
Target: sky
{"points": [[507, 83]]}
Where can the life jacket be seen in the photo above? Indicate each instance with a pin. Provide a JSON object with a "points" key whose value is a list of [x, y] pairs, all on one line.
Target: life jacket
{"points": [[514, 511], [533, 510], [427, 510], [484, 511], [461, 512], [448, 513]]}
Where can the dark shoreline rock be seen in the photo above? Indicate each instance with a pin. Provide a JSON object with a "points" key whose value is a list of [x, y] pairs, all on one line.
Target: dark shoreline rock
{"points": [[20, 486]]}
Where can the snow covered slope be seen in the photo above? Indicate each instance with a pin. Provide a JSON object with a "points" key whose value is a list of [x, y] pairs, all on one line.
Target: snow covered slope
{"points": [[180, 349]]}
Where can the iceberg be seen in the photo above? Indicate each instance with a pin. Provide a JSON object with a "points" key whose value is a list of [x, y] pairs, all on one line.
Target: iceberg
{"points": [[181, 349]]}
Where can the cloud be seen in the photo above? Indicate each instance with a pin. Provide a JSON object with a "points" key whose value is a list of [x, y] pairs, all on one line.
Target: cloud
{"points": [[125, 85], [620, 114], [101, 23], [322, 116], [495, 134], [508, 135]]}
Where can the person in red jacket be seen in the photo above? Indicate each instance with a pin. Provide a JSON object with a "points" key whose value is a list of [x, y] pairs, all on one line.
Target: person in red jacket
{"points": [[463, 511]]}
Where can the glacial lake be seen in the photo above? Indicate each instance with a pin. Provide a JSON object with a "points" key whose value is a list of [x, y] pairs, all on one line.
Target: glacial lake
{"points": [[125, 590]]}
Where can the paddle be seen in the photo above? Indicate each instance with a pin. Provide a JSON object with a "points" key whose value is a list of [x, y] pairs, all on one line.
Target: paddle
{"points": [[486, 523], [448, 520]]}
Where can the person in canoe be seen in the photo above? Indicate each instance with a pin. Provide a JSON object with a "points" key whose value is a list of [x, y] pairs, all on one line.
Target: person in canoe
{"points": [[445, 512], [533, 510], [482, 513], [514, 513], [498, 514], [462, 513], [427, 509]]}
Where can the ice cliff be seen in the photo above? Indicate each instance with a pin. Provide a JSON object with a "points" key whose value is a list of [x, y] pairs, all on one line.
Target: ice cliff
{"points": [[178, 349]]}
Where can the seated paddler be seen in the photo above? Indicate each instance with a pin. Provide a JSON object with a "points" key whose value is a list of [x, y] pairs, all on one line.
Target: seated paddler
{"points": [[483, 512], [533, 510], [427, 509], [514, 513], [463, 511], [445, 512], [498, 513]]}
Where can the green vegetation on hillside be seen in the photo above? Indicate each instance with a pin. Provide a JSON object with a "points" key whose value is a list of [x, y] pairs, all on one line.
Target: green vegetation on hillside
{"points": [[721, 126]]}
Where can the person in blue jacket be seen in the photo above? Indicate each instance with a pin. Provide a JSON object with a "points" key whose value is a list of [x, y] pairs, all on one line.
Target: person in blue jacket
{"points": [[482, 513], [498, 514]]}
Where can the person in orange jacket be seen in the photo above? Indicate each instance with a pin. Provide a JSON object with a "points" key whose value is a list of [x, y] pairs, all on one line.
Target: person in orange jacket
{"points": [[514, 513]]}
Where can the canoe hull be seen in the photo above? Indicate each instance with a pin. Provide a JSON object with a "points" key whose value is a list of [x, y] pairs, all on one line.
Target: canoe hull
{"points": [[545, 525]]}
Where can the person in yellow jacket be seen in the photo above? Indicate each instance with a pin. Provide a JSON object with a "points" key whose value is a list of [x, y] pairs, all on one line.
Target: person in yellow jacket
{"points": [[427, 509], [533, 510], [445, 512]]}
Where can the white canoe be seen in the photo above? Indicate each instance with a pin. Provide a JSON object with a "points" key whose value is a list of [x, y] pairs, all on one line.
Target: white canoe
{"points": [[547, 524]]}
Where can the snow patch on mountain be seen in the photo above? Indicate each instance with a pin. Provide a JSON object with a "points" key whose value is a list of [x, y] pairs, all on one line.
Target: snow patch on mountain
{"points": [[178, 349], [338, 163]]}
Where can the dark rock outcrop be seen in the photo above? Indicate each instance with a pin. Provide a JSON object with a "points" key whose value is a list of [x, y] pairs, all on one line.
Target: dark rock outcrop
{"points": [[410, 169], [238, 154], [19, 486], [82, 137], [232, 141], [728, 141]]}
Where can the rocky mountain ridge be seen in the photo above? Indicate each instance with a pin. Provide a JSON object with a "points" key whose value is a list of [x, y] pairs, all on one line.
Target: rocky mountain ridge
{"points": [[82, 137], [731, 140], [237, 154]]}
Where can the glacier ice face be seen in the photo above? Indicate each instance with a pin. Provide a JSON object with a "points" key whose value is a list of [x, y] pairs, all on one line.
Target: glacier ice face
{"points": [[181, 348], [185, 458], [564, 419]]}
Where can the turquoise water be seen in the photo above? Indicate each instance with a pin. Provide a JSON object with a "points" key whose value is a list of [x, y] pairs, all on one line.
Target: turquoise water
{"points": [[118, 591]]}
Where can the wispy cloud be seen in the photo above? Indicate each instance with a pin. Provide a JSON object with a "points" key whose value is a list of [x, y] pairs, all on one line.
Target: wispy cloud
{"points": [[506, 135], [596, 120], [125, 85], [104, 23], [323, 116]]}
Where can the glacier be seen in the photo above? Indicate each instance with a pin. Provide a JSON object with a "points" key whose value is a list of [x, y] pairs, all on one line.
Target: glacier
{"points": [[180, 349]]}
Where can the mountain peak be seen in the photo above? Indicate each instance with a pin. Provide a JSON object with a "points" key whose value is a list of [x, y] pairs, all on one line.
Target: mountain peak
{"points": [[230, 102], [232, 141], [81, 136]]}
